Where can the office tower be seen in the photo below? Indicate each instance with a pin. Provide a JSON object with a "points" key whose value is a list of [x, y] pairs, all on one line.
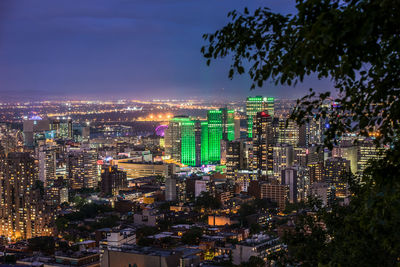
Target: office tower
{"points": [[303, 135], [336, 173], [314, 131], [300, 156], [223, 148], [274, 192], [315, 154], [262, 163], [12, 140], [287, 132], [367, 151], [289, 178], [82, 169], [237, 127], [221, 126], [347, 152], [235, 158], [271, 106], [183, 141], [228, 123], [315, 171], [173, 138], [282, 158], [47, 164], [204, 142], [215, 134], [188, 142], [62, 127], [253, 106], [22, 213], [33, 128], [170, 189], [112, 180]]}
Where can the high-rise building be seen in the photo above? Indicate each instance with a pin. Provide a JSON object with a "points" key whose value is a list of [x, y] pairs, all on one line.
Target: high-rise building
{"points": [[82, 169], [34, 128], [289, 178], [215, 135], [282, 158], [204, 142], [47, 164], [347, 152], [253, 106], [170, 189], [315, 154], [275, 192], [262, 163], [221, 126], [287, 132], [335, 173], [188, 142], [316, 171], [62, 127], [183, 141], [235, 158], [367, 151], [300, 156], [22, 208], [173, 138], [112, 180]]}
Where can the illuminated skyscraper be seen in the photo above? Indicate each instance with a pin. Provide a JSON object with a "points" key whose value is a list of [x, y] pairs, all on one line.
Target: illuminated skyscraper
{"points": [[82, 169], [315, 171], [263, 141], [204, 142], [257, 104], [62, 127], [283, 158], [288, 134], [183, 141], [228, 122], [336, 171], [173, 138], [221, 126], [22, 213], [215, 134], [47, 164], [235, 158], [367, 151], [188, 142], [349, 153]]}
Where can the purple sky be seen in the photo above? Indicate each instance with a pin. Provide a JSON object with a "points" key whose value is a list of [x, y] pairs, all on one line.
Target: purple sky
{"points": [[112, 49]]}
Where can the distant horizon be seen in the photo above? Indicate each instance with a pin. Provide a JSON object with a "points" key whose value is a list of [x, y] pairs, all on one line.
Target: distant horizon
{"points": [[123, 49], [154, 100]]}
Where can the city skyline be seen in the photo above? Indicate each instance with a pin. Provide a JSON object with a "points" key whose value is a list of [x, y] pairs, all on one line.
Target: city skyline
{"points": [[122, 49]]}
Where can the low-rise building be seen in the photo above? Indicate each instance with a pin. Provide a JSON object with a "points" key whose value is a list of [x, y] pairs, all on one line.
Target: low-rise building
{"points": [[259, 245]]}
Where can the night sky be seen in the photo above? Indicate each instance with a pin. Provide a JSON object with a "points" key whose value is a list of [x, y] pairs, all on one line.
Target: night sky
{"points": [[114, 49]]}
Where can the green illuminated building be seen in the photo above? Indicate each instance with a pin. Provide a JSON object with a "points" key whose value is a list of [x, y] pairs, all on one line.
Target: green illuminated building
{"points": [[193, 142], [221, 126], [183, 140], [228, 120], [204, 142], [215, 132], [188, 142], [257, 104]]}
